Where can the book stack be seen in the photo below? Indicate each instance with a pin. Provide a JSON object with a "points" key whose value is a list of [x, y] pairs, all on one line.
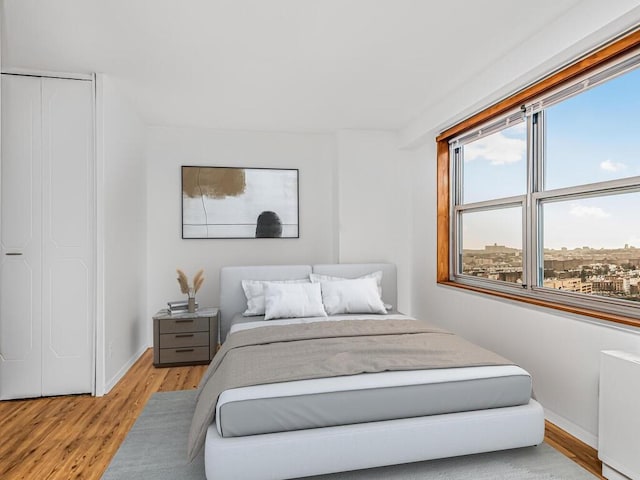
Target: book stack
{"points": [[179, 306]]}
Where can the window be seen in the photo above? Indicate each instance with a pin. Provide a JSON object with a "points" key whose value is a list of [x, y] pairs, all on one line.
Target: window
{"points": [[586, 242], [492, 244], [540, 201], [495, 164]]}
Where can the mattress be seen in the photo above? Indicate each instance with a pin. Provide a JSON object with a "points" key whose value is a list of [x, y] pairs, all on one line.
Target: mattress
{"points": [[305, 404]]}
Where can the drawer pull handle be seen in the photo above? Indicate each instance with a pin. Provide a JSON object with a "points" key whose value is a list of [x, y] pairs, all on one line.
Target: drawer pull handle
{"points": [[184, 350], [186, 320], [183, 335], [13, 253]]}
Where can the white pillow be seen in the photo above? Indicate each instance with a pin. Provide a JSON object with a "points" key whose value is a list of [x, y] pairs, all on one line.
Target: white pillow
{"points": [[293, 300], [254, 291], [317, 277], [351, 296]]}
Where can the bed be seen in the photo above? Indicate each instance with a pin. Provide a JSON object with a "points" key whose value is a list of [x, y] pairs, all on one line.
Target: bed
{"points": [[334, 407]]}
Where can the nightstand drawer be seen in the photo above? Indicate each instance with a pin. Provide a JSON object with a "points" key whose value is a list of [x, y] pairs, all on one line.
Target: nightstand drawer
{"points": [[191, 339], [184, 355], [179, 325]]}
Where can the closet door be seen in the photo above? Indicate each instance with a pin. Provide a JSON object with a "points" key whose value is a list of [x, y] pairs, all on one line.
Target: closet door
{"points": [[67, 236], [47, 236], [20, 239]]}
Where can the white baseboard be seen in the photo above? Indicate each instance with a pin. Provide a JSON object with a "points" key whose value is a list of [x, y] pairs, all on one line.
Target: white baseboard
{"points": [[572, 428], [612, 474], [125, 368]]}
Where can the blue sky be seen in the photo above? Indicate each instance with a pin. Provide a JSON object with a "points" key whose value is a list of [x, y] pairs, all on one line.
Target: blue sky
{"points": [[592, 137]]}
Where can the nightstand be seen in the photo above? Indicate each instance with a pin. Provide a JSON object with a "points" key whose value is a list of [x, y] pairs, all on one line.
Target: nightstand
{"points": [[185, 338]]}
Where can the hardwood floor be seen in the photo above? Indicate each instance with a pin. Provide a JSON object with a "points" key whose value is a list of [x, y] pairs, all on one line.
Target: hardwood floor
{"points": [[575, 449], [75, 437]]}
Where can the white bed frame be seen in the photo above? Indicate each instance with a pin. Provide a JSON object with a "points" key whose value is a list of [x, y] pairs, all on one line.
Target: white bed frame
{"points": [[318, 451]]}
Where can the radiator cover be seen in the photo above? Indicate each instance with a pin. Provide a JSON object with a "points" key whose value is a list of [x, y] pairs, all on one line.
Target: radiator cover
{"points": [[619, 415]]}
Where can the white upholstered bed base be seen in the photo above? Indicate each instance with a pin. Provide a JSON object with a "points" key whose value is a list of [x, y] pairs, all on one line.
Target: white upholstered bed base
{"points": [[351, 447], [304, 453]]}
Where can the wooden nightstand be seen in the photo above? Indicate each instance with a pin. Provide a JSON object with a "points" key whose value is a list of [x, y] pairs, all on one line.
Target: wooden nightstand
{"points": [[185, 338]]}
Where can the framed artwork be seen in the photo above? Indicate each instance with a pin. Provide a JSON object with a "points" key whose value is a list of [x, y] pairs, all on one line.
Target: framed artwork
{"points": [[229, 202]]}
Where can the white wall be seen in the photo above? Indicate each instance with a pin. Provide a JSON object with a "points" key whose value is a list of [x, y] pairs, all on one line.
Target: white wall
{"points": [[374, 185], [169, 148], [560, 350], [122, 323]]}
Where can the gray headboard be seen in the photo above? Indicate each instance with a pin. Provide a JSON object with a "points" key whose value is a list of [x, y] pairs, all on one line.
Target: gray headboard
{"points": [[233, 300]]}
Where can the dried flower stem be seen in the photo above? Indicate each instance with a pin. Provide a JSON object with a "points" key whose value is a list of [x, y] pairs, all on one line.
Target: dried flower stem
{"points": [[183, 281], [197, 280]]}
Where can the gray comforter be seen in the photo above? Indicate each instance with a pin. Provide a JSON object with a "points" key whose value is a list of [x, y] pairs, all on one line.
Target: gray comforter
{"points": [[327, 349]]}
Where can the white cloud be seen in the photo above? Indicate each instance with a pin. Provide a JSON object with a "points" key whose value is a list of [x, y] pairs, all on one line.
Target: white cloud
{"points": [[582, 211], [611, 166], [496, 148], [519, 127]]}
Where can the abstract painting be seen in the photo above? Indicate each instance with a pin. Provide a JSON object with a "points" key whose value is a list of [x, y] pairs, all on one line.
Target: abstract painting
{"points": [[229, 202]]}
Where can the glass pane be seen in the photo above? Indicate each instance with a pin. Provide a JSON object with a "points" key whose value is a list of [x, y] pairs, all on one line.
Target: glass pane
{"points": [[492, 244], [592, 245], [594, 136], [496, 166]]}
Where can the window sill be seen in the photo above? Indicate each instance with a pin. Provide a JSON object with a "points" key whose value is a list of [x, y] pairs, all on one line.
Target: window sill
{"points": [[634, 322]]}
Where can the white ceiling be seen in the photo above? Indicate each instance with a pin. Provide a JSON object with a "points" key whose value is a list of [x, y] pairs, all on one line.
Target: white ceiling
{"points": [[287, 65]]}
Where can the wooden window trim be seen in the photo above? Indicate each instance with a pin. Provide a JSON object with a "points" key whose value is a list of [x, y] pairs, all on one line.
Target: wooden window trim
{"points": [[583, 66]]}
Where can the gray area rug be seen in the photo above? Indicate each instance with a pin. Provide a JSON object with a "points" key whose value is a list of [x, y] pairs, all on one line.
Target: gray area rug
{"points": [[155, 449]]}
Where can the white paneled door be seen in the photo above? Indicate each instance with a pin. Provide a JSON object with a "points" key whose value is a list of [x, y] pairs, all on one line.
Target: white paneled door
{"points": [[47, 237]]}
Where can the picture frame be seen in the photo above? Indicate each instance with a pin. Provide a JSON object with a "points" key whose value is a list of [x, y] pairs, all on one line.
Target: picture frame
{"points": [[233, 202]]}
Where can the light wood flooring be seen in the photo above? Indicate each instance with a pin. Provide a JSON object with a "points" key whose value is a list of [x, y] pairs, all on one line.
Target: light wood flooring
{"points": [[75, 437]]}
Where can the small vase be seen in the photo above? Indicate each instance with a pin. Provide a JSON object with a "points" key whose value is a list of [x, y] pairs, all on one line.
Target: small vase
{"points": [[192, 304]]}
